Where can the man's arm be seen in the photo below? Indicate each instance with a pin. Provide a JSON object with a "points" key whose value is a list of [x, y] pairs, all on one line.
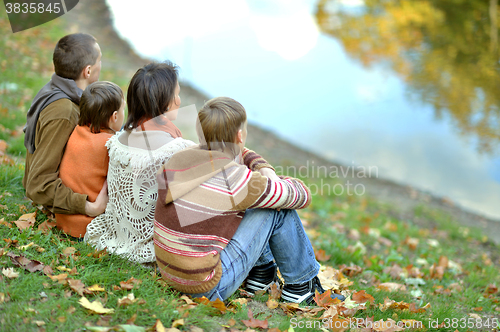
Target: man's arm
{"points": [[43, 184]]}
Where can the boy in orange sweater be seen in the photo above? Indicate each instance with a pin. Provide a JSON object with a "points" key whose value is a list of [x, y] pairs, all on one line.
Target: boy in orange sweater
{"points": [[84, 165]]}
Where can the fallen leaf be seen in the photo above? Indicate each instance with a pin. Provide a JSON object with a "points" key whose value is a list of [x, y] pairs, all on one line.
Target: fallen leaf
{"points": [[10, 273], [272, 304], [231, 322], [254, 323], [77, 286], [3, 147], [46, 225], [391, 286], [61, 319], [25, 263], [68, 251], [38, 322], [61, 278], [274, 292], [159, 326], [218, 304], [362, 297], [126, 300], [240, 301], [351, 270], [478, 309], [491, 289], [321, 255], [95, 306], [178, 322], [95, 288], [26, 221], [325, 299], [26, 246], [132, 319]]}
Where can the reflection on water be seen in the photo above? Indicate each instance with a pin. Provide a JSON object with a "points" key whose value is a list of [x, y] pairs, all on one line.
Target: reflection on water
{"points": [[371, 95], [446, 51]]}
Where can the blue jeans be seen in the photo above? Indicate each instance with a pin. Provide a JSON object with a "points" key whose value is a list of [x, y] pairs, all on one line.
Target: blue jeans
{"points": [[262, 236]]}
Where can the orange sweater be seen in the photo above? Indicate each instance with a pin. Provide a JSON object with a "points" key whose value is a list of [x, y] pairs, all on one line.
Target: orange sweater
{"points": [[84, 167]]}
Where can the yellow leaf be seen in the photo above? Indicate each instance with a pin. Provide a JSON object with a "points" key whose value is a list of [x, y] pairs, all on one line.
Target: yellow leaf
{"points": [[272, 304], [95, 307], [10, 273], [96, 288], [178, 322], [26, 246], [159, 326]]}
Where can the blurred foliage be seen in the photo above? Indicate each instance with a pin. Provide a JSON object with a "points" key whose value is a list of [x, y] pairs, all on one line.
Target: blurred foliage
{"points": [[445, 50]]}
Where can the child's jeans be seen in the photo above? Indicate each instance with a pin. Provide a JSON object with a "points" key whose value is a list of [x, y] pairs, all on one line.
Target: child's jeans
{"points": [[262, 236]]}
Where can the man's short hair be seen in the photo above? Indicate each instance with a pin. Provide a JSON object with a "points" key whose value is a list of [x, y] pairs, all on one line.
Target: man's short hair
{"points": [[73, 53]]}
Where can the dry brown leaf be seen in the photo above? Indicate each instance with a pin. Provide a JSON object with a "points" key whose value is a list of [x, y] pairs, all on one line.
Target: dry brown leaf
{"points": [[2, 298], [195, 329], [61, 278], [321, 255], [46, 225], [254, 323], [231, 322], [3, 147], [95, 306], [126, 300], [68, 251], [274, 292], [77, 286], [26, 221], [10, 273], [218, 304], [491, 289], [330, 312], [38, 323], [27, 264], [61, 319], [325, 299], [362, 297], [132, 319], [391, 286], [351, 270], [394, 271], [71, 310]]}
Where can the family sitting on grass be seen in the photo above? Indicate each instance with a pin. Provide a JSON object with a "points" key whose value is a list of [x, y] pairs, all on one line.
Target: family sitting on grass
{"points": [[211, 215]]}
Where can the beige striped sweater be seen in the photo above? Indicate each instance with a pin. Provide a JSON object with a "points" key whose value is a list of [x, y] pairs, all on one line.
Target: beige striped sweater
{"points": [[202, 198]]}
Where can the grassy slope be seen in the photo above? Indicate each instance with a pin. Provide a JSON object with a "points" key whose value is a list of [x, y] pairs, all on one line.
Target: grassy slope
{"points": [[350, 229]]}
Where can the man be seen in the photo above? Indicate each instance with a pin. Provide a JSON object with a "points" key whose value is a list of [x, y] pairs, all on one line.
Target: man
{"points": [[51, 119]]}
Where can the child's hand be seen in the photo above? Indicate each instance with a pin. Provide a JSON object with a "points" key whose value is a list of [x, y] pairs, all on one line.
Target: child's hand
{"points": [[93, 209]]}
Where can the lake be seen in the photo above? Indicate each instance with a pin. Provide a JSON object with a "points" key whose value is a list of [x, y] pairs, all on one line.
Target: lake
{"points": [[410, 87]]}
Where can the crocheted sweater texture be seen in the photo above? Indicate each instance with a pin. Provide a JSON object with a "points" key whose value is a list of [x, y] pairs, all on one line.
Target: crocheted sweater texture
{"points": [[126, 227]]}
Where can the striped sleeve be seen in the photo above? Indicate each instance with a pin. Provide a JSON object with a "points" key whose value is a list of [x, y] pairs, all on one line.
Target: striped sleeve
{"points": [[288, 193], [254, 161]]}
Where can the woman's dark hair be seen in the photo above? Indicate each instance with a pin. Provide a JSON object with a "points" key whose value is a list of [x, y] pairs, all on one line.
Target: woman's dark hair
{"points": [[150, 92], [98, 102], [73, 53]]}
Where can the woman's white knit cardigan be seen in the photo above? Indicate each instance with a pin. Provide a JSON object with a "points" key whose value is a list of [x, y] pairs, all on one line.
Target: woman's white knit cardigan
{"points": [[126, 227]]}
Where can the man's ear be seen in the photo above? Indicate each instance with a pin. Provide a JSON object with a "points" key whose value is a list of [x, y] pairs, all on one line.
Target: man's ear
{"points": [[85, 74], [239, 136]]}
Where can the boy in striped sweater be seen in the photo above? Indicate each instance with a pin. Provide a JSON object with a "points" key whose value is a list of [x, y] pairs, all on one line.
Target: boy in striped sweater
{"points": [[223, 214]]}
